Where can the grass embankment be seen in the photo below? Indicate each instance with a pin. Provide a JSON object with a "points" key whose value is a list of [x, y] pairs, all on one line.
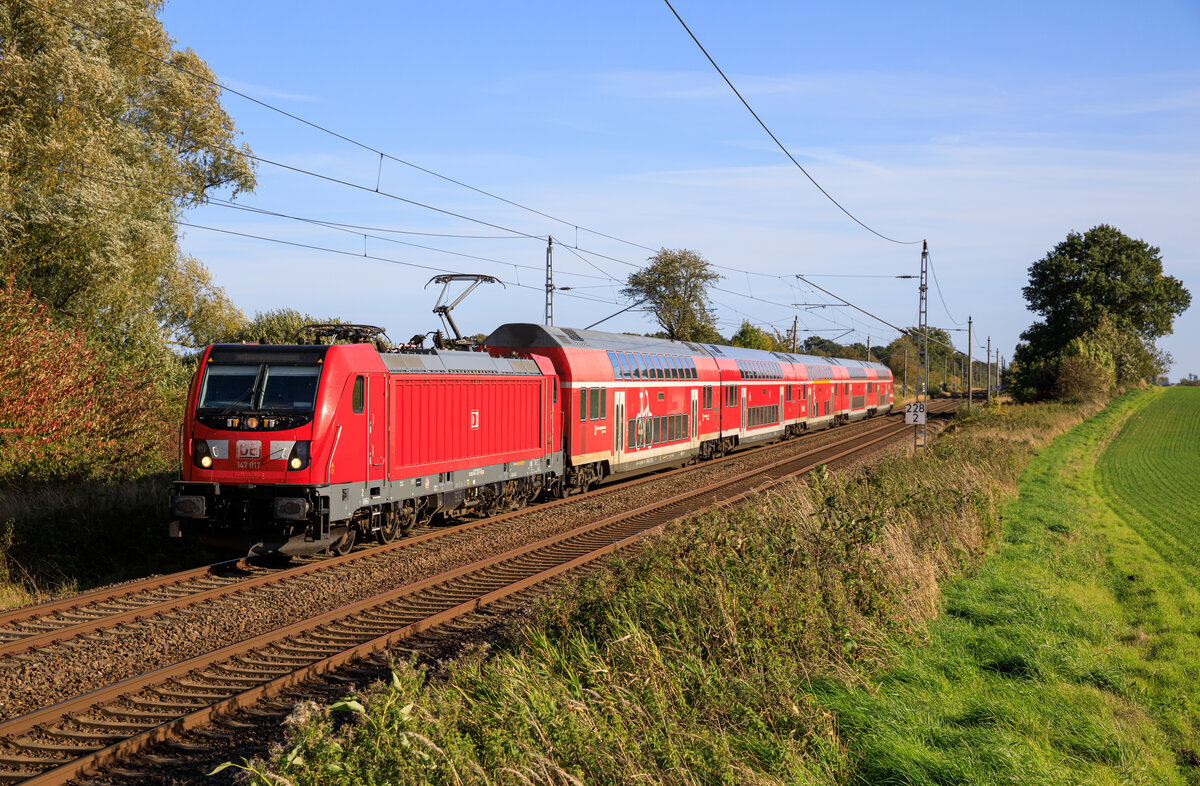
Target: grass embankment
{"points": [[1071, 657], [774, 643]]}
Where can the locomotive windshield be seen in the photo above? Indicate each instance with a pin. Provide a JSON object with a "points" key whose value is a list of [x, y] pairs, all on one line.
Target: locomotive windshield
{"points": [[259, 387]]}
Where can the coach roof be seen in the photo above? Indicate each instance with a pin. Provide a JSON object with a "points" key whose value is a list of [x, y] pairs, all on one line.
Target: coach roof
{"points": [[520, 335], [526, 336]]}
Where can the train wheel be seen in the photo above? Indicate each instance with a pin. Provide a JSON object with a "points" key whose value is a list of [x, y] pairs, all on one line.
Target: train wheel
{"points": [[390, 529], [345, 543]]}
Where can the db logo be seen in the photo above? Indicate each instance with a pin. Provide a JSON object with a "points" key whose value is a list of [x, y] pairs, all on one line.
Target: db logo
{"points": [[249, 449], [474, 419]]}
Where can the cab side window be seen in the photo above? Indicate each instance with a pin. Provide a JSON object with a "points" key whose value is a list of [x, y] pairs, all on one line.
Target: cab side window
{"points": [[358, 399]]}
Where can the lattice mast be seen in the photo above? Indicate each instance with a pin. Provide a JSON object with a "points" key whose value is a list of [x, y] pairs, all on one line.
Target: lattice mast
{"points": [[550, 281], [921, 434]]}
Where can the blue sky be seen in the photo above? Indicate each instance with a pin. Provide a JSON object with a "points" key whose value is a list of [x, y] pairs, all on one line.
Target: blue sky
{"points": [[991, 130]]}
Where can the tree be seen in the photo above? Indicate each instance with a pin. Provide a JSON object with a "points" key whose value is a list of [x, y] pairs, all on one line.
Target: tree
{"points": [[1102, 273], [1104, 300], [752, 337], [277, 326], [107, 135], [675, 287], [821, 347]]}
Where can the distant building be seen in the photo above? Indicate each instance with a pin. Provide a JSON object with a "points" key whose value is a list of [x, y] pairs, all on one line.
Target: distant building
{"points": [[1164, 382]]}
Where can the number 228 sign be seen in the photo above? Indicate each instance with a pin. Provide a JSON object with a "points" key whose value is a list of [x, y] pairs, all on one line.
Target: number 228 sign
{"points": [[914, 414]]}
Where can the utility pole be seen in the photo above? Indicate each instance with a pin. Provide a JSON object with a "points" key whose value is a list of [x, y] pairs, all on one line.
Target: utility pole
{"points": [[550, 281], [795, 332], [970, 362], [989, 370], [906, 371], [868, 349]]}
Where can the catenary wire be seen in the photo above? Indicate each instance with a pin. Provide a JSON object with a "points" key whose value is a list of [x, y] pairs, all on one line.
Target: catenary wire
{"points": [[316, 222], [516, 233], [776, 139], [323, 129], [309, 246], [939, 291]]}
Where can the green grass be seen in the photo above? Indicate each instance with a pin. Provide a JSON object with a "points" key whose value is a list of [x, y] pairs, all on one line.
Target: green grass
{"points": [[1071, 657], [1150, 475]]}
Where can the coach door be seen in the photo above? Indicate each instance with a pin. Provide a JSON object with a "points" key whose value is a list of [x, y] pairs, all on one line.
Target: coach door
{"points": [[377, 436], [695, 428], [619, 426], [745, 392]]}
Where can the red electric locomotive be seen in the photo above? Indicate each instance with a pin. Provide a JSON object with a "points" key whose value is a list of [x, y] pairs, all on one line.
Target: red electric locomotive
{"points": [[296, 449]]}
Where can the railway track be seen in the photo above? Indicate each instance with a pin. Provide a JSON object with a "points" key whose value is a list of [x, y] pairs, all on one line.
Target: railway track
{"points": [[30, 628], [83, 734]]}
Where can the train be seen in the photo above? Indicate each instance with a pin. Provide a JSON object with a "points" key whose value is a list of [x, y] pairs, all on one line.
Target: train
{"points": [[298, 449]]}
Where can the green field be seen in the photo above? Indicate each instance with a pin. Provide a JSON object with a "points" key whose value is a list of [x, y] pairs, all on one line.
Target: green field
{"points": [[1150, 475]]}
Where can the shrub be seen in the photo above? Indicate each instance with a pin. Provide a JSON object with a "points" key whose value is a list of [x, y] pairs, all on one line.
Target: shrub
{"points": [[70, 408]]}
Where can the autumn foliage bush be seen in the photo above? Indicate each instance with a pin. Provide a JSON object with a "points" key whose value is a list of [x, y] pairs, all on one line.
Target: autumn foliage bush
{"points": [[71, 408]]}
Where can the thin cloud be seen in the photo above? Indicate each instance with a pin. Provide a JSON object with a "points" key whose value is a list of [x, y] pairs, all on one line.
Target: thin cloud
{"points": [[266, 92]]}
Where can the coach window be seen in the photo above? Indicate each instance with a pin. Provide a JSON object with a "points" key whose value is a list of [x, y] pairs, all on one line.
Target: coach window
{"points": [[582, 404], [595, 413], [604, 403], [691, 368], [658, 367], [789, 393], [624, 361], [358, 402], [612, 360], [639, 368]]}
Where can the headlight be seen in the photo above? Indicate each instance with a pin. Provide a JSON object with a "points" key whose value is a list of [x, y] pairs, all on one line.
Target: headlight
{"points": [[201, 455], [298, 458]]}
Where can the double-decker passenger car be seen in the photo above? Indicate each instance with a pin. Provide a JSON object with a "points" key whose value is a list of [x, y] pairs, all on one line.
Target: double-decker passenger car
{"points": [[633, 402]]}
